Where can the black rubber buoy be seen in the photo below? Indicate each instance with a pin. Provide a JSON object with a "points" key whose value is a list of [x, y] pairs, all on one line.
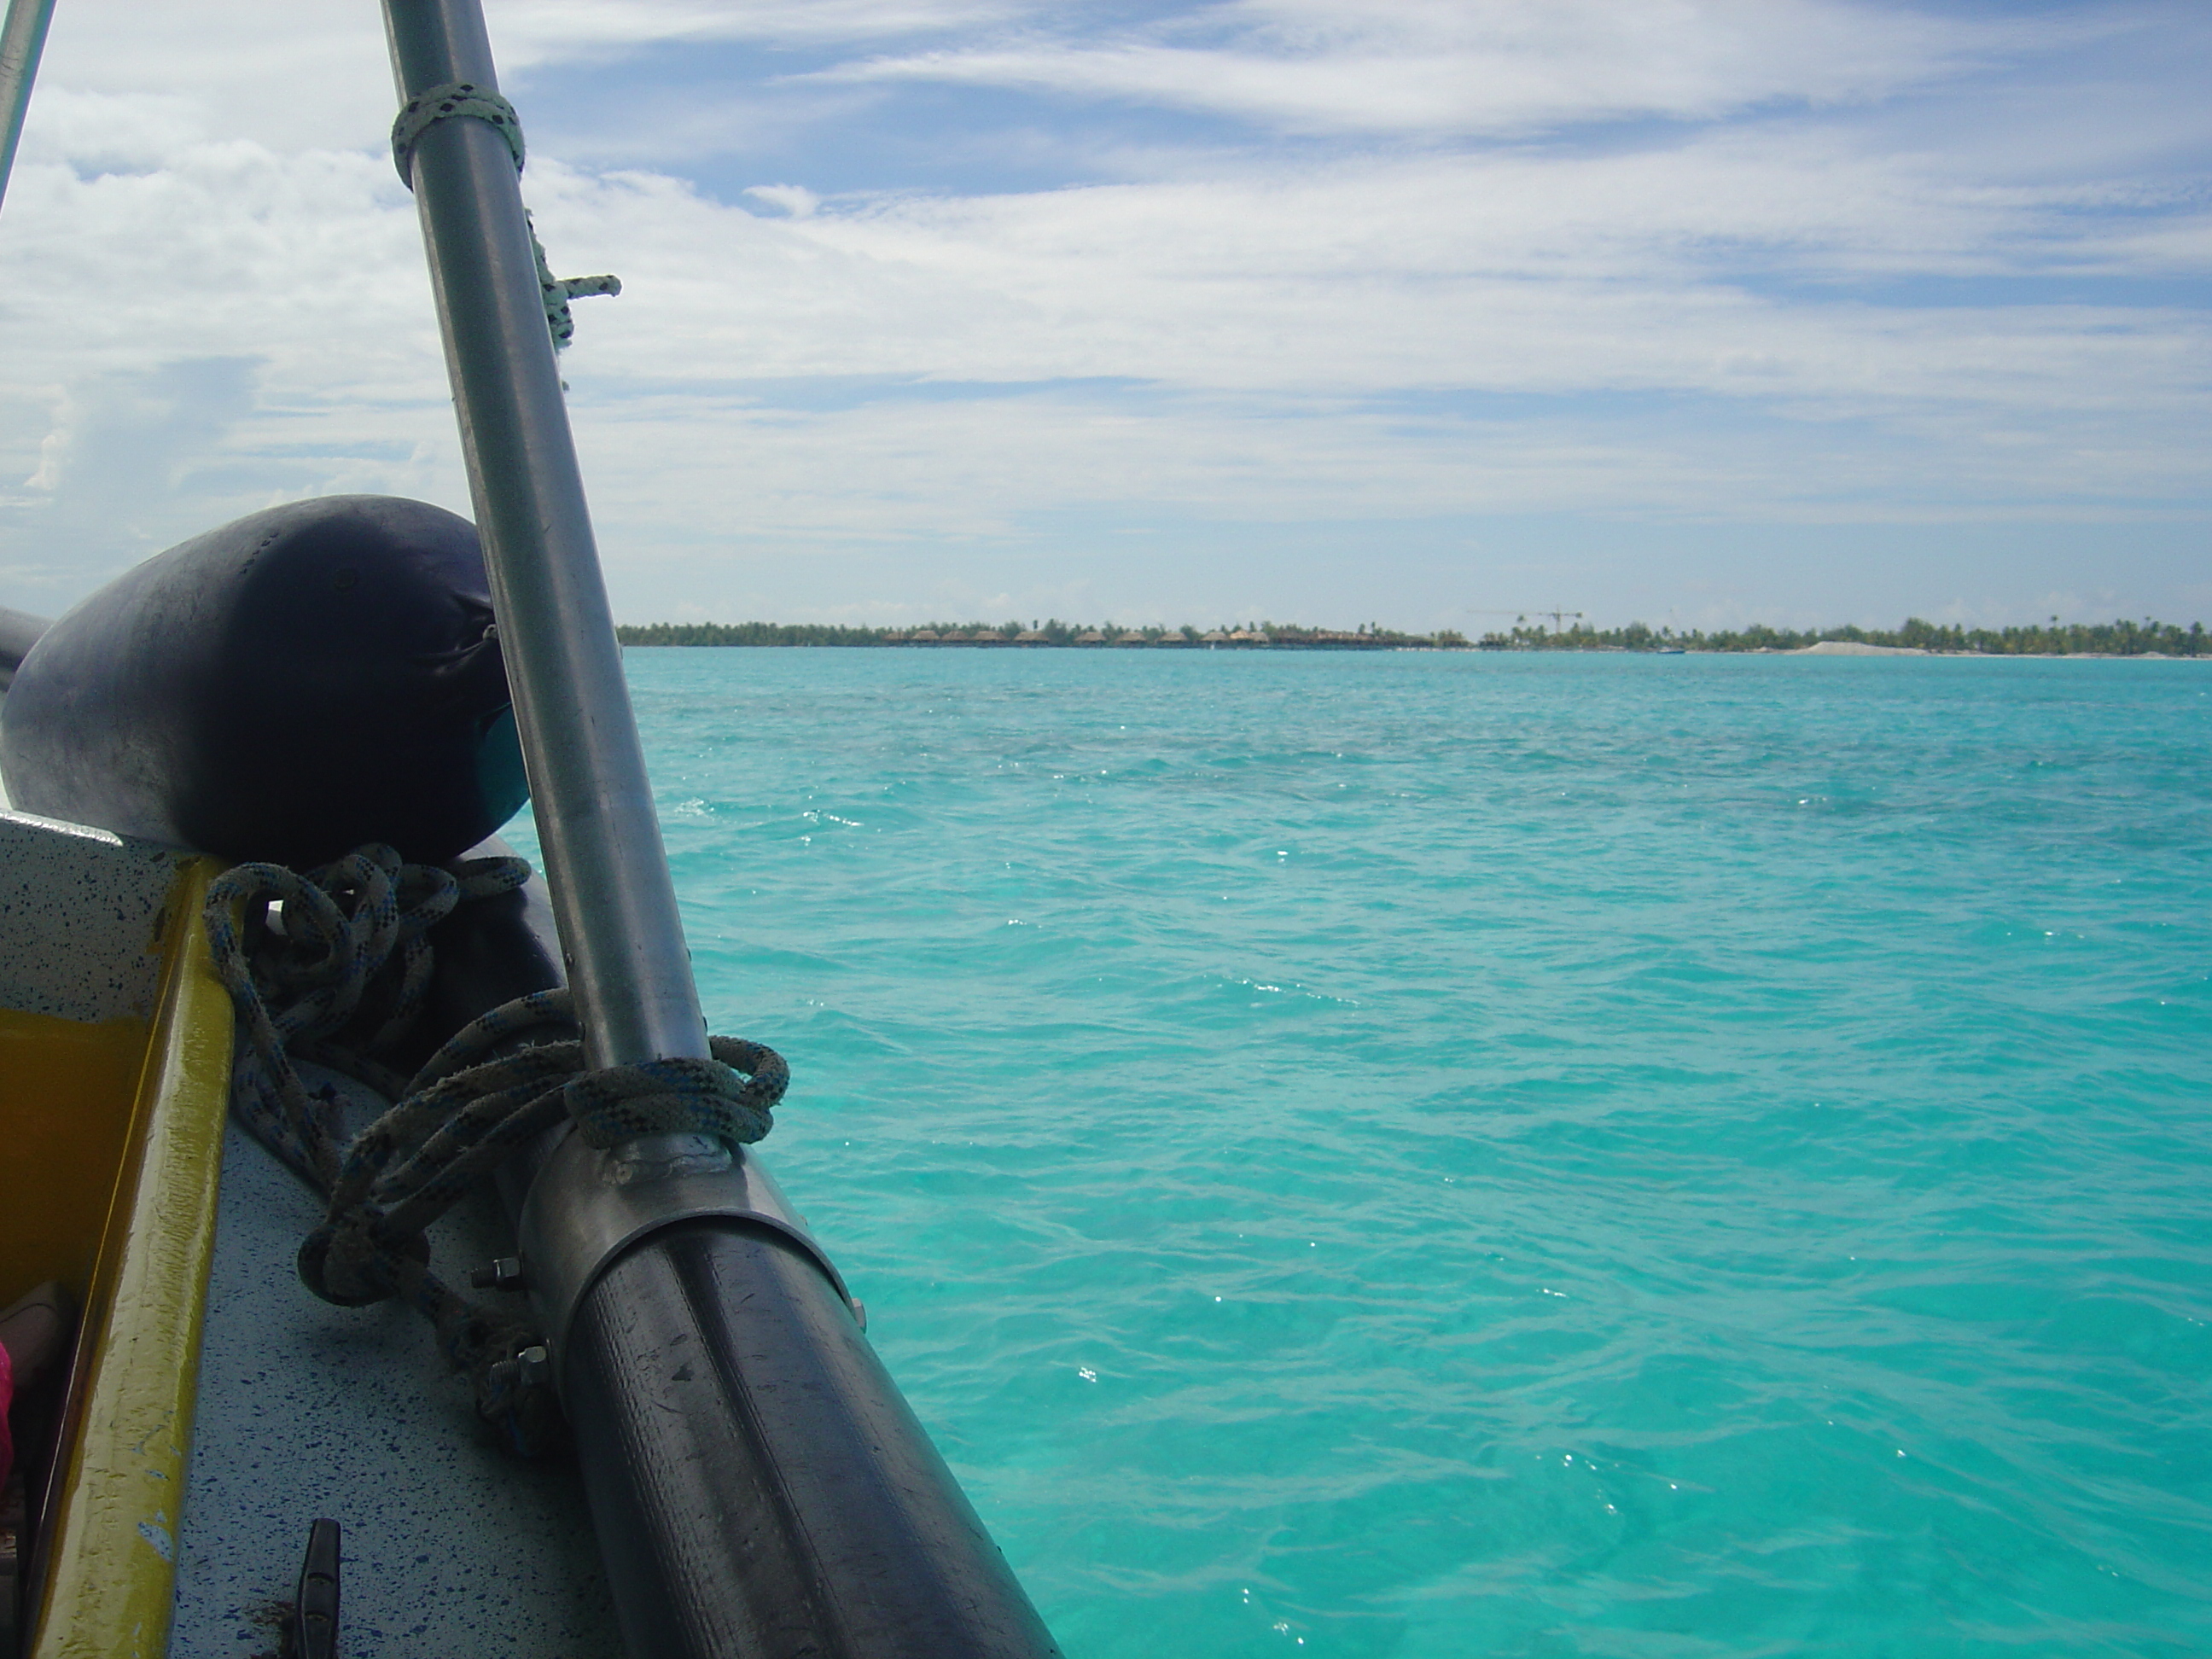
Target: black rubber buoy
{"points": [[286, 688]]}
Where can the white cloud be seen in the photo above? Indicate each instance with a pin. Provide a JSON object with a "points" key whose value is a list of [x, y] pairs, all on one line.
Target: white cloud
{"points": [[1500, 274], [1502, 67], [211, 297], [528, 31], [293, 77], [796, 200], [278, 73]]}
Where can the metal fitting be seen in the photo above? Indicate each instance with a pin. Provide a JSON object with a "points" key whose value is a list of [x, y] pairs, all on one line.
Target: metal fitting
{"points": [[504, 1275], [587, 1205]]}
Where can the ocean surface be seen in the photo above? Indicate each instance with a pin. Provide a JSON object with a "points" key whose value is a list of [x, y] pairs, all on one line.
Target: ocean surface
{"points": [[1438, 1155]]}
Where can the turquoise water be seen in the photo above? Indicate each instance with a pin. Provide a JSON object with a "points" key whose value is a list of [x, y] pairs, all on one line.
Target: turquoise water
{"points": [[1442, 1155]]}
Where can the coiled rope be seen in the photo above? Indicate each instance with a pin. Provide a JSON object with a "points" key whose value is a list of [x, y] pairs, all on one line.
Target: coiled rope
{"points": [[340, 985]]}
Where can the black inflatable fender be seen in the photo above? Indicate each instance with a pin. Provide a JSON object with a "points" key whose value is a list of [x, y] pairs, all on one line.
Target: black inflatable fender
{"points": [[287, 687]]}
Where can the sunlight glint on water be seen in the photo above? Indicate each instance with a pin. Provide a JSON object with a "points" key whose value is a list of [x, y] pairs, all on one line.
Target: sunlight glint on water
{"points": [[1441, 1155]]}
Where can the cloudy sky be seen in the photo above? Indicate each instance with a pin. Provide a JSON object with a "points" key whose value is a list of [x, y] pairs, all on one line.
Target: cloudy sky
{"points": [[1411, 311]]}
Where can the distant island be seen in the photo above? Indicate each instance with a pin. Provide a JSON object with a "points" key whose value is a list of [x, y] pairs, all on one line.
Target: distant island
{"points": [[1266, 636], [2050, 639]]}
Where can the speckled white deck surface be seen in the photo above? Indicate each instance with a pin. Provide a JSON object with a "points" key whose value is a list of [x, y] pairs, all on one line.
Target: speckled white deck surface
{"points": [[80, 914], [451, 1547]]}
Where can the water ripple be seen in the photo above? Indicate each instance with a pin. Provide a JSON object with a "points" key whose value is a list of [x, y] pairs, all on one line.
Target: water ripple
{"points": [[1429, 1155]]}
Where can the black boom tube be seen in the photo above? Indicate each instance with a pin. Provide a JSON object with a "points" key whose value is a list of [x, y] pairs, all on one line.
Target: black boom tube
{"points": [[759, 1486]]}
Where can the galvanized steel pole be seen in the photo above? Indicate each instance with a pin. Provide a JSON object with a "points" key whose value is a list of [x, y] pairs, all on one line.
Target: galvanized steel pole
{"points": [[760, 1490], [620, 933], [22, 38]]}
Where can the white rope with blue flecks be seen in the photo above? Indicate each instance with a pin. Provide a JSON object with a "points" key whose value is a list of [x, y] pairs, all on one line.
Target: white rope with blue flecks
{"points": [[464, 99], [342, 984]]}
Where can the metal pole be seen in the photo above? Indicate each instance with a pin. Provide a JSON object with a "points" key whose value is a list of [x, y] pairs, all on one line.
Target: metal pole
{"points": [[760, 1490], [22, 38], [620, 936]]}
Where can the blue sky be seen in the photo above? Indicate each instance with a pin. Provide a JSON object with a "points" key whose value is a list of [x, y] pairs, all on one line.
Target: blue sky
{"points": [[1700, 311]]}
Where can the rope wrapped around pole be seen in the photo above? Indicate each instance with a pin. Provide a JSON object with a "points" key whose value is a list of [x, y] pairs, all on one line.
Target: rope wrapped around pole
{"points": [[341, 985], [465, 99]]}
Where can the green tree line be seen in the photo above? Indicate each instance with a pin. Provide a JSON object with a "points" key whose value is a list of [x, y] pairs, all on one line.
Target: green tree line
{"points": [[1050, 632], [2045, 638], [2052, 638]]}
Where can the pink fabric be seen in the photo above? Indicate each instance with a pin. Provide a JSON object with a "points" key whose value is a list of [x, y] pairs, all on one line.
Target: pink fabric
{"points": [[7, 1398]]}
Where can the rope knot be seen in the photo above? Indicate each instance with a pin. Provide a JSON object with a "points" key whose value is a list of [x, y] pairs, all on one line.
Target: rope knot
{"points": [[335, 965], [357, 1257], [442, 103], [712, 1097], [464, 99]]}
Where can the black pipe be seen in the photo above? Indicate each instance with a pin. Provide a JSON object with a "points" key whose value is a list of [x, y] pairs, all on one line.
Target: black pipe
{"points": [[759, 1486]]}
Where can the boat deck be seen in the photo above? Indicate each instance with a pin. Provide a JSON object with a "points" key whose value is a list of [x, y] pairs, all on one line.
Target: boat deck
{"points": [[452, 1545]]}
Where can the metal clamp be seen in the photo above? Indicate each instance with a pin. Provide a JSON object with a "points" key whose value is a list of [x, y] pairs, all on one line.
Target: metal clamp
{"points": [[587, 1205]]}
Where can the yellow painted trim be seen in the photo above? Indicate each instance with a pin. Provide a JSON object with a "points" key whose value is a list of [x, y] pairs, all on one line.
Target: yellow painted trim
{"points": [[111, 1572], [68, 1089]]}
